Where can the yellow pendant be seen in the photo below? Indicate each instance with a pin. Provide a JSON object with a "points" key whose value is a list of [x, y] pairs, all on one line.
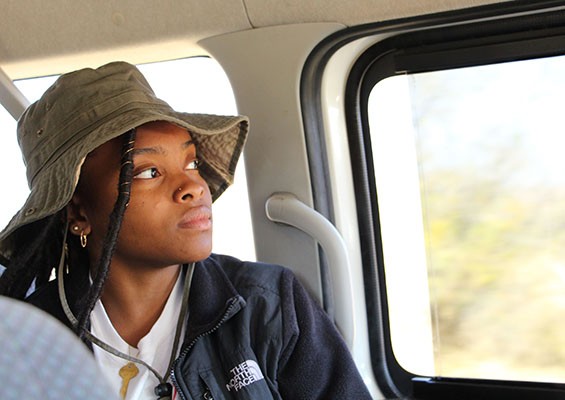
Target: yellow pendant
{"points": [[127, 373]]}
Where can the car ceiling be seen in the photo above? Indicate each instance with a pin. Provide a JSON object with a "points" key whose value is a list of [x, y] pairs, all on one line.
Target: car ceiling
{"points": [[39, 37]]}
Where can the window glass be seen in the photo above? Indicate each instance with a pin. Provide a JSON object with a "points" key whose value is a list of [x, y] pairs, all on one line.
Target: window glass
{"points": [[14, 183], [196, 85], [469, 171]]}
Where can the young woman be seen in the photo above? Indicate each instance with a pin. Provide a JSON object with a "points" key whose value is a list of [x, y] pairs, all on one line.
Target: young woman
{"points": [[120, 209]]}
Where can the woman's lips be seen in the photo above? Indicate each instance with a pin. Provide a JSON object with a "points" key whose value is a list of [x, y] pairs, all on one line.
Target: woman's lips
{"points": [[197, 218]]}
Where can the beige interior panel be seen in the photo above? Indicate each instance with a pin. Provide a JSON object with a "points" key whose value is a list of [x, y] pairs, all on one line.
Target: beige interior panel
{"points": [[47, 37], [50, 37], [278, 12]]}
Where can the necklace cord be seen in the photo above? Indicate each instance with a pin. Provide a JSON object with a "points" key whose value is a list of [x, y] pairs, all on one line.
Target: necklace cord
{"points": [[184, 312]]}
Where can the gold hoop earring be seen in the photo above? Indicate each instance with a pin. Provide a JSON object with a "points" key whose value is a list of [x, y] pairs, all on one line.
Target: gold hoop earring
{"points": [[83, 239]]}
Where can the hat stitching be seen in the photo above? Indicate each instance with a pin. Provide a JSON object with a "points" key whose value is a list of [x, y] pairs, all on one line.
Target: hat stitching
{"points": [[46, 140]]}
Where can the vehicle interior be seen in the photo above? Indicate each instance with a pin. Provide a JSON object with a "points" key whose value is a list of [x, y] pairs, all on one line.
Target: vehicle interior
{"points": [[404, 160]]}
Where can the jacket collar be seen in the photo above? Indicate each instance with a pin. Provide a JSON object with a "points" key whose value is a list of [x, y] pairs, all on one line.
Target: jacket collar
{"points": [[213, 298]]}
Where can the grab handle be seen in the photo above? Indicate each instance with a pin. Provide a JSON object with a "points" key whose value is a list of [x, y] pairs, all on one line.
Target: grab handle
{"points": [[11, 97], [285, 208]]}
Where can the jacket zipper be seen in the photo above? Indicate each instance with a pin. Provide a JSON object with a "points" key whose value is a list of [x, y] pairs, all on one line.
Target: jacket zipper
{"points": [[225, 317]]}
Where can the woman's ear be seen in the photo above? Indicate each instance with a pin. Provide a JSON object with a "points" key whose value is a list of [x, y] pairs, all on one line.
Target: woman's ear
{"points": [[77, 218]]}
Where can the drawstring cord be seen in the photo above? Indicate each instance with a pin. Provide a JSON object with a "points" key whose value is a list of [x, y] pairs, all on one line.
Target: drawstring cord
{"points": [[164, 389]]}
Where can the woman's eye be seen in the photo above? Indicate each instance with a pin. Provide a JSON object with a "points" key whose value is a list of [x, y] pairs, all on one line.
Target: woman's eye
{"points": [[148, 173], [193, 164]]}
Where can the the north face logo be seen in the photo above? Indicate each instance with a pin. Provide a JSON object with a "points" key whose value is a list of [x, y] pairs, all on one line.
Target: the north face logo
{"points": [[244, 374]]}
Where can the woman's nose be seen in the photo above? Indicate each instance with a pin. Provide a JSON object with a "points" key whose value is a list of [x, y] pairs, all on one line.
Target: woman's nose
{"points": [[189, 188]]}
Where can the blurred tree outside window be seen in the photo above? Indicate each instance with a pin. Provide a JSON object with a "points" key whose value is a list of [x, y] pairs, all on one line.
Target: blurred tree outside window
{"points": [[470, 176]]}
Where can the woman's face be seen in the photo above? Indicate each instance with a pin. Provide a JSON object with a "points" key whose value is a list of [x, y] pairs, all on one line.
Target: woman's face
{"points": [[169, 217]]}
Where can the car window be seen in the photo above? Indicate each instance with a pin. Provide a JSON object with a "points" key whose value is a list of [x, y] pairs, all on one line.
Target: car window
{"points": [[468, 166]]}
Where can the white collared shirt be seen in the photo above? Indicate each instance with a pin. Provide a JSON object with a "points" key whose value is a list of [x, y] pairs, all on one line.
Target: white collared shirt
{"points": [[154, 348]]}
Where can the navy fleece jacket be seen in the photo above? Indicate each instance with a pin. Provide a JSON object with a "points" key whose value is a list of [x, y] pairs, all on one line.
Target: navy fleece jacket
{"points": [[253, 333]]}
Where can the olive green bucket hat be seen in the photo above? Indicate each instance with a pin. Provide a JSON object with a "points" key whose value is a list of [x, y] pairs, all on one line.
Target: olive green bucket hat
{"points": [[86, 108]]}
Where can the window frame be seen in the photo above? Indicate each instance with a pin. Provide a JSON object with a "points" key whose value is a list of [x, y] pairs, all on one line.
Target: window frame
{"points": [[511, 31], [477, 43]]}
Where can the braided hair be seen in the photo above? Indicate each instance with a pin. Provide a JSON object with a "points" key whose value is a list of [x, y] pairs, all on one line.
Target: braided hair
{"points": [[115, 223], [38, 247]]}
